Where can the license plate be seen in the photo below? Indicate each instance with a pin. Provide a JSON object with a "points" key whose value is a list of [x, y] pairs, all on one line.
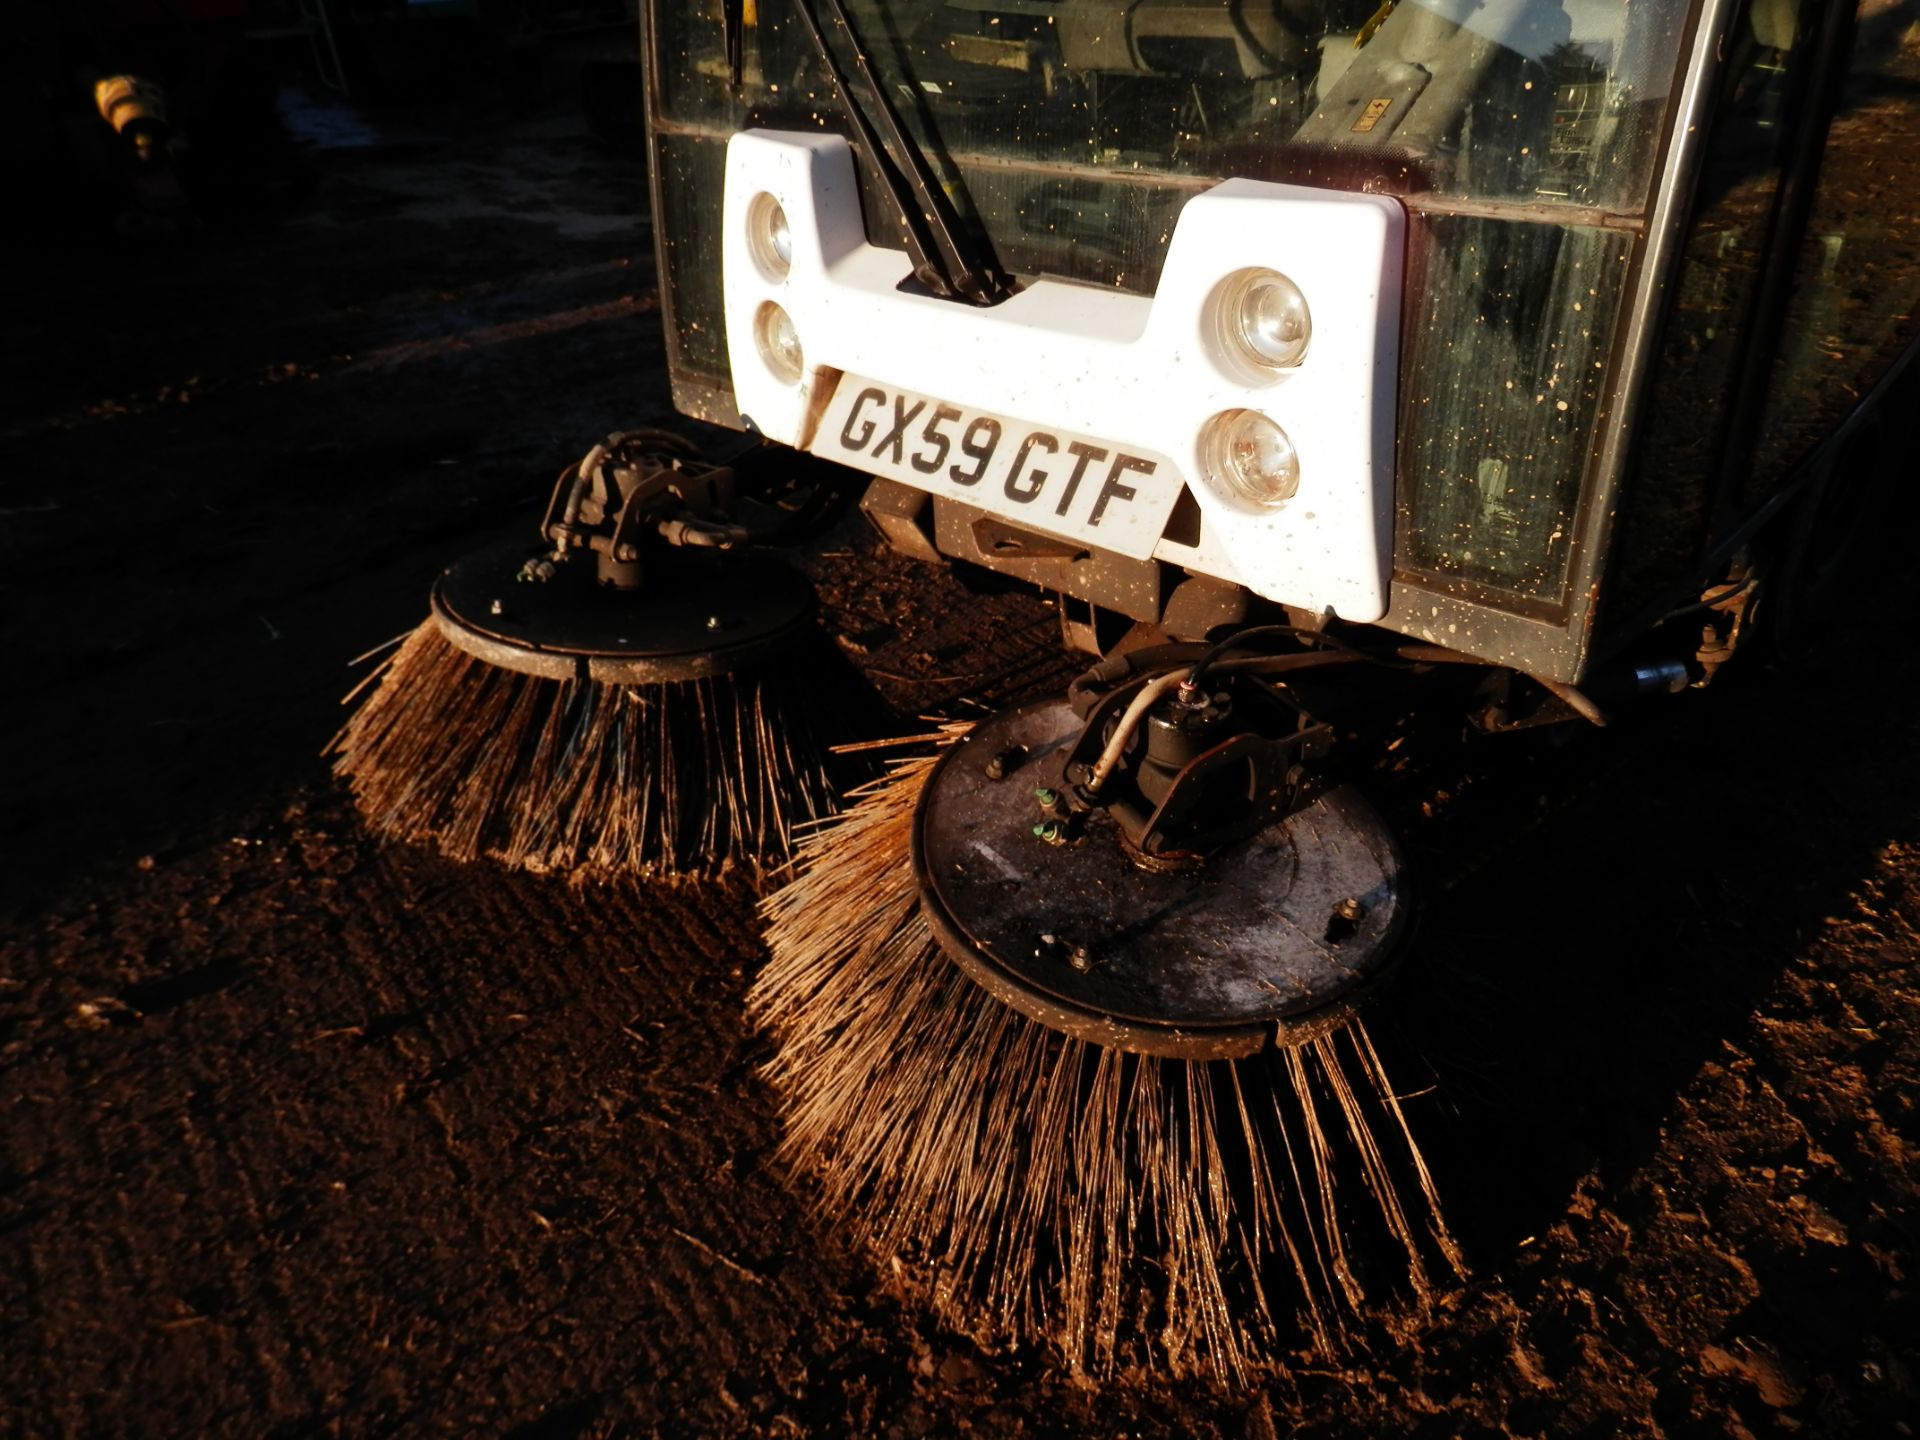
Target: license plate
{"points": [[1108, 496]]}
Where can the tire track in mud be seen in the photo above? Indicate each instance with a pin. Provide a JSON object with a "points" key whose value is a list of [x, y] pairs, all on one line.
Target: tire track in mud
{"points": [[464, 992], [582, 965], [107, 1221], [636, 954]]}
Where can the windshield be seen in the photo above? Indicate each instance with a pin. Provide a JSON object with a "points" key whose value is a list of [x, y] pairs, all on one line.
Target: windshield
{"points": [[1510, 99], [1493, 99]]}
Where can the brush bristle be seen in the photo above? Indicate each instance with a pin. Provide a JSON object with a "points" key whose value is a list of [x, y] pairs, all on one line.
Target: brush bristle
{"points": [[581, 777], [1039, 1189]]}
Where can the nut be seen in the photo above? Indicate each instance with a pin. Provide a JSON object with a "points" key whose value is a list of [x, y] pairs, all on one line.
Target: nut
{"points": [[1005, 763]]}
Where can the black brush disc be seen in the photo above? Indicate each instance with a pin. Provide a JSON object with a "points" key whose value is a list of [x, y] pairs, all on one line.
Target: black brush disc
{"points": [[1271, 942], [699, 615]]}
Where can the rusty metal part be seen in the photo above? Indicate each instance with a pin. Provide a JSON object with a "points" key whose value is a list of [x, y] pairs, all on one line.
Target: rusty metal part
{"points": [[136, 108], [1272, 942], [1575, 699], [1725, 610], [1097, 587], [901, 516], [700, 615], [1134, 588], [1201, 606]]}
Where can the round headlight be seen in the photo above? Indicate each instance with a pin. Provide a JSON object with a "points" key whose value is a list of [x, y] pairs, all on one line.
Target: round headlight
{"points": [[769, 238], [779, 343], [1261, 319], [1248, 458]]}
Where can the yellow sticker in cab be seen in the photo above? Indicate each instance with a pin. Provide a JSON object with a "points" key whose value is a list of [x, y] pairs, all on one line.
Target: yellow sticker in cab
{"points": [[1371, 116]]}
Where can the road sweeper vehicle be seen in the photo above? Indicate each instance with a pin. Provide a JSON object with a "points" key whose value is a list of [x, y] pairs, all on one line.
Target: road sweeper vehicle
{"points": [[1327, 360]]}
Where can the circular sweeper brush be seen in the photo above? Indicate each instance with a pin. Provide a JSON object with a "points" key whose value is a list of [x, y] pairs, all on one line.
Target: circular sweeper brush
{"points": [[623, 696], [1067, 1016]]}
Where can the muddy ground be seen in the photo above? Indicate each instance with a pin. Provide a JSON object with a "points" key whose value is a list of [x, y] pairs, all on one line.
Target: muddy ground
{"points": [[302, 1134]]}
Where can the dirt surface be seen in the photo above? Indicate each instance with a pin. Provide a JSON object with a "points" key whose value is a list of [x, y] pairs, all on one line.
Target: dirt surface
{"points": [[299, 1134]]}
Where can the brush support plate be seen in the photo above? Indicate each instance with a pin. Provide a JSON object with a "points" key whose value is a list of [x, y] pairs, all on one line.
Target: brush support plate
{"points": [[698, 615], [1272, 942]]}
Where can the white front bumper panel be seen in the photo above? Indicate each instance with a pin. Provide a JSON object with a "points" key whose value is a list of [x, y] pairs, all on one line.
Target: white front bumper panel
{"points": [[1092, 393]]}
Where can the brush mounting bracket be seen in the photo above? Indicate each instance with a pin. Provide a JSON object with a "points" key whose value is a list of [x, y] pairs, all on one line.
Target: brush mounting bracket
{"points": [[633, 492], [1205, 767], [652, 567]]}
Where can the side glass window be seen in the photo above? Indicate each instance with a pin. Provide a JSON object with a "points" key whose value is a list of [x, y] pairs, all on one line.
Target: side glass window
{"points": [[1851, 309], [1669, 495], [1506, 363]]}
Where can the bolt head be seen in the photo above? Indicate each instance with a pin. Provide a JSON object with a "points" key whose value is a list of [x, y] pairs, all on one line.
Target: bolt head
{"points": [[714, 622], [498, 607]]}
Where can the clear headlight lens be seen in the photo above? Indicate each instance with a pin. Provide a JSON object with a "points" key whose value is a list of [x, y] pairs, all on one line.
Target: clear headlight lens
{"points": [[769, 238], [1262, 319], [779, 343], [1248, 458]]}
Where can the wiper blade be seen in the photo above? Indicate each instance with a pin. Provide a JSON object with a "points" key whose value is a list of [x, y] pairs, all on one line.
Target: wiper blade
{"points": [[940, 246], [733, 21]]}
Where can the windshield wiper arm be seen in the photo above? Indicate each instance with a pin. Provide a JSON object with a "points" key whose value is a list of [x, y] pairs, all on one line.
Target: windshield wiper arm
{"points": [[733, 20], [941, 249]]}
